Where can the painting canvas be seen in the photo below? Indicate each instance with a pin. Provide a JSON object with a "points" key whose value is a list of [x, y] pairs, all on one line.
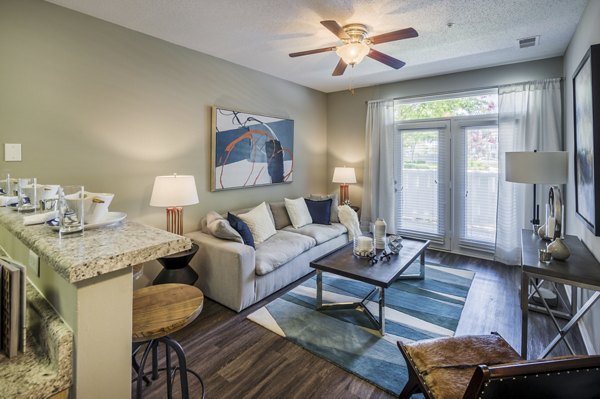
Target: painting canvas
{"points": [[250, 150], [586, 103]]}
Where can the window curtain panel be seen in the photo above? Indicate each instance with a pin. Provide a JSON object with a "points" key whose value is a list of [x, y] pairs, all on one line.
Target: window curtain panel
{"points": [[378, 195], [529, 118]]}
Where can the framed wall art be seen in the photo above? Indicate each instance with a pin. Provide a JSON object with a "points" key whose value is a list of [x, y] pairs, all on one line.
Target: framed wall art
{"points": [[586, 106], [250, 150]]}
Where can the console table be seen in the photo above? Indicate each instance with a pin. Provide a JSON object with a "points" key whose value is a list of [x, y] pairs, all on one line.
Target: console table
{"points": [[580, 270]]}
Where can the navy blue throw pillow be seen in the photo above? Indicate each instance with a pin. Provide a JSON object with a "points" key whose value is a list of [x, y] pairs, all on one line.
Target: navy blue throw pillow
{"points": [[320, 211], [242, 228]]}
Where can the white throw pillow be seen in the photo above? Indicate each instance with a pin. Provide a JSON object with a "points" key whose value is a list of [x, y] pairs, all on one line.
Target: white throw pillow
{"points": [[298, 211], [259, 222]]}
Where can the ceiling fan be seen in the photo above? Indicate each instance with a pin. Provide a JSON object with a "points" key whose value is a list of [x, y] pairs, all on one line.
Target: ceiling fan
{"points": [[357, 45]]}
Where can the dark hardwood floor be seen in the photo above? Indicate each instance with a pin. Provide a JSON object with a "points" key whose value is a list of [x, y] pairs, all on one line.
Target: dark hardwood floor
{"points": [[239, 359]]}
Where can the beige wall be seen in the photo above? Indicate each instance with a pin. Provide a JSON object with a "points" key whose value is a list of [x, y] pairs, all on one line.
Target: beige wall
{"points": [[587, 33], [346, 112], [96, 104]]}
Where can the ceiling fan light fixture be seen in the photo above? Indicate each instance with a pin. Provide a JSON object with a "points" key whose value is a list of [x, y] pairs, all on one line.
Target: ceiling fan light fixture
{"points": [[353, 53]]}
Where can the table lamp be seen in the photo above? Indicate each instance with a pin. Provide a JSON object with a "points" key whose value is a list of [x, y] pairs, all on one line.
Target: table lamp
{"points": [[174, 192], [344, 176], [533, 167]]}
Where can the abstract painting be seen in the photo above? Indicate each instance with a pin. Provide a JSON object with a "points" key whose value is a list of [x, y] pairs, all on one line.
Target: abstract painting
{"points": [[250, 150], [586, 98]]}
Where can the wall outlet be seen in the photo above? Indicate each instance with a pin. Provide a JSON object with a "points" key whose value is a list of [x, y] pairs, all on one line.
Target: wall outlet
{"points": [[34, 263], [12, 152]]}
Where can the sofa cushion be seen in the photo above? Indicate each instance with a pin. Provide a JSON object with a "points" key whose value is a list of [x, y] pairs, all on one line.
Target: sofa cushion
{"points": [[219, 227], [320, 210], [259, 222], [246, 210], [280, 249], [242, 228], [280, 215], [334, 204], [320, 232], [298, 211]]}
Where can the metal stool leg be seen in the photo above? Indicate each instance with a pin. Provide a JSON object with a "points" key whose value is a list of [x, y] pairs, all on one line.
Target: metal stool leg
{"points": [[155, 363], [181, 365], [141, 375], [134, 363], [169, 369]]}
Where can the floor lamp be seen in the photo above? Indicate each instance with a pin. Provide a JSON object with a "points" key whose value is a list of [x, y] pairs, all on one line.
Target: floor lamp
{"points": [[544, 167]]}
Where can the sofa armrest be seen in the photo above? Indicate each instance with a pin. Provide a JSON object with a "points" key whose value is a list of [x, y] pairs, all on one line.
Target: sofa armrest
{"points": [[226, 270]]}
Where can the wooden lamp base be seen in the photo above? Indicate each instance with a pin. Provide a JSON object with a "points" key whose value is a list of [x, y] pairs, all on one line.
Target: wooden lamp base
{"points": [[344, 194], [175, 220]]}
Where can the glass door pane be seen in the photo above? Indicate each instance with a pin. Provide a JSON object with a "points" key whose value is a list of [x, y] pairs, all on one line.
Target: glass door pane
{"points": [[422, 181], [478, 185]]}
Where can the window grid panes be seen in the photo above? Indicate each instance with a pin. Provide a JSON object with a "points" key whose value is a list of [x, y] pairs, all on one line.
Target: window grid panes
{"points": [[477, 104]]}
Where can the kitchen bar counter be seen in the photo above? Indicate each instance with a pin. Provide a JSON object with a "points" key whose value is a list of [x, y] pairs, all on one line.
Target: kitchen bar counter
{"points": [[88, 281], [98, 251]]}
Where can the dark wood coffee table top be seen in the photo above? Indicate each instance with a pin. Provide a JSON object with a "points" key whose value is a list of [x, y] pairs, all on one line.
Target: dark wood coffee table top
{"points": [[382, 274]]}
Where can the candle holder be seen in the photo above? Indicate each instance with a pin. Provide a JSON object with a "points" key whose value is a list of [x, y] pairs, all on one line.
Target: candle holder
{"points": [[363, 247]]}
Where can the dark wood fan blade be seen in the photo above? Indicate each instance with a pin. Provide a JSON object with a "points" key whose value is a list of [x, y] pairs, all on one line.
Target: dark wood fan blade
{"points": [[315, 51], [335, 28], [386, 59], [339, 68], [396, 35]]}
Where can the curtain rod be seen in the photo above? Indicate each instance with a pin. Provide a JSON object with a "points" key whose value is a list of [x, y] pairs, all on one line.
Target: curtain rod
{"points": [[460, 91]]}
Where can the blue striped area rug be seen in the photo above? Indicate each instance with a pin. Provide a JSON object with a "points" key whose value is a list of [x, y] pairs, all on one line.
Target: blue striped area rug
{"points": [[415, 310]]}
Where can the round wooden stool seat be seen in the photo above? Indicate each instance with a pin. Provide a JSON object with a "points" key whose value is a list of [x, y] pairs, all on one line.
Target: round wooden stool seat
{"points": [[160, 310]]}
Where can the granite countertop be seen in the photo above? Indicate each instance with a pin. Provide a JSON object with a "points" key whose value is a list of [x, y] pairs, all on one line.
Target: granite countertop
{"points": [[97, 251], [46, 366]]}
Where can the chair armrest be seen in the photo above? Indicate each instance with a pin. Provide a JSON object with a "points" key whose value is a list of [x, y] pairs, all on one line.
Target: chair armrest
{"points": [[558, 377], [226, 270]]}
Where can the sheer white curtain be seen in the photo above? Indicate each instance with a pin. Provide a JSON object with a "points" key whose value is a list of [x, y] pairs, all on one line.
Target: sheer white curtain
{"points": [[378, 195], [529, 118]]}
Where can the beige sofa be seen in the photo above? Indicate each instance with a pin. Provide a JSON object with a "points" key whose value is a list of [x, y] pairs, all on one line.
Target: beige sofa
{"points": [[237, 275]]}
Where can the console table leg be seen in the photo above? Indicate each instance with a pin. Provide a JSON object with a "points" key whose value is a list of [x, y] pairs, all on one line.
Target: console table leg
{"points": [[562, 332], [524, 310]]}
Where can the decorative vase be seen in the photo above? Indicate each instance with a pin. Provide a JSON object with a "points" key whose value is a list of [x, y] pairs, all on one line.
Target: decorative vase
{"points": [[379, 233], [542, 232], [558, 249]]}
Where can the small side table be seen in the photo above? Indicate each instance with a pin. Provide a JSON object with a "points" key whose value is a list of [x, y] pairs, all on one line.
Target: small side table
{"points": [[177, 269]]}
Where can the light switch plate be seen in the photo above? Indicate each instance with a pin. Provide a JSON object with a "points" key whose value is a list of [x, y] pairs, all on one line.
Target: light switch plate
{"points": [[12, 152]]}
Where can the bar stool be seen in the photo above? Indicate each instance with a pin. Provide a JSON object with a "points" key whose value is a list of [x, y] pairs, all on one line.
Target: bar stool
{"points": [[158, 311]]}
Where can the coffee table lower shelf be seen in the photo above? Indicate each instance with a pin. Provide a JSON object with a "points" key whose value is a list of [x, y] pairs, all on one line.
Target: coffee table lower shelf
{"points": [[362, 305]]}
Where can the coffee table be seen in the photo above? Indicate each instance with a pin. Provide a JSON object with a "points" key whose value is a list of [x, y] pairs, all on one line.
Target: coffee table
{"points": [[382, 274]]}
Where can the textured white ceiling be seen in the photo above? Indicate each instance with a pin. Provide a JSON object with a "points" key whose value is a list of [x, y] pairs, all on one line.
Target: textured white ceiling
{"points": [[259, 34]]}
